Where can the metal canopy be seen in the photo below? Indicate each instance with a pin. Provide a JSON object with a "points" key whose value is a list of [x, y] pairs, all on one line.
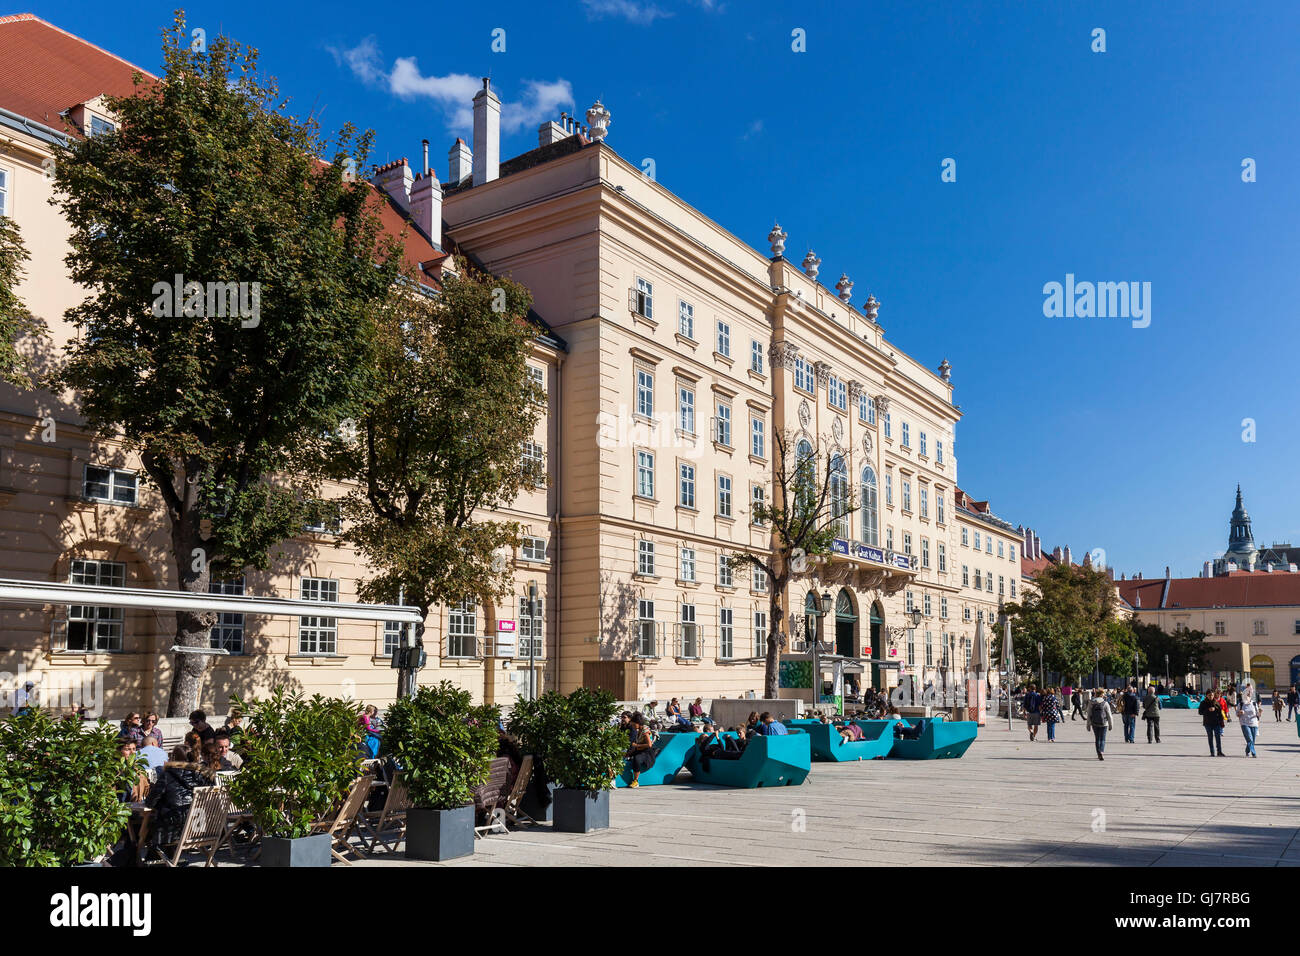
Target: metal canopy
{"points": [[45, 592]]}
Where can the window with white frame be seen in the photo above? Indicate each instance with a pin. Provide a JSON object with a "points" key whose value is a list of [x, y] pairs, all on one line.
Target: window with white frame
{"points": [[1000, 548], [99, 125], [839, 496], [889, 537], [689, 638], [723, 434], [757, 438], [925, 552], [532, 548], [803, 376], [530, 627], [907, 495], [535, 458], [907, 435], [907, 542], [645, 557], [686, 320], [760, 580], [910, 603], [943, 557], [1001, 584], [726, 633], [911, 647], [687, 566], [979, 580], [938, 452], [1261, 628], [111, 485], [760, 633], [756, 356], [977, 540], [724, 339], [965, 613], [328, 520], [4, 192], [939, 505], [988, 581], [538, 375], [645, 392], [757, 500], [725, 577], [724, 496], [687, 483], [925, 501], [965, 575], [1011, 548], [686, 409], [929, 648], [925, 602], [965, 538], [228, 632], [870, 507], [1013, 587], [1221, 628], [837, 394], [646, 643], [921, 441], [988, 544], [645, 474], [95, 628], [889, 488], [392, 637], [643, 299], [889, 431], [462, 629], [943, 607], [318, 635]]}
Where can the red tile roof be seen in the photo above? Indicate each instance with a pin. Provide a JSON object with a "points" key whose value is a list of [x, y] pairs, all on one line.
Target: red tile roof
{"points": [[1257, 589], [45, 70]]}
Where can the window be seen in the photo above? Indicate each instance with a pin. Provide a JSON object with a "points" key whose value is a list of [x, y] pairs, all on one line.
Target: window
{"points": [[757, 438], [939, 505], [328, 520], [724, 496], [1001, 588], [988, 581], [642, 300], [756, 356], [943, 558], [686, 410], [1220, 628], [1261, 629], [725, 577], [760, 581], [965, 576], [803, 376], [929, 648], [979, 580], [977, 540], [724, 339], [228, 632], [645, 557], [943, 607], [723, 435], [1297, 627], [965, 537], [889, 538], [907, 435], [645, 392], [907, 542], [392, 637], [645, 474], [925, 501], [925, 552], [318, 635], [1000, 543], [760, 633], [532, 548], [530, 627], [462, 629], [938, 452], [805, 476], [109, 484], [837, 394], [96, 628], [686, 320], [1012, 549], [909, 603], [907, 495], [965, 613], [925, 600], [4, 192], [690, 645], [726, 637], [687, 571], [538, 376], [870, 508], [1013, 587], [757, 499], [839, 495], [98, 126], [645, 640], [687, 497], [988, 544], [911, 647], [867, 408], [889, 489], [921, 450], [535, 458]]}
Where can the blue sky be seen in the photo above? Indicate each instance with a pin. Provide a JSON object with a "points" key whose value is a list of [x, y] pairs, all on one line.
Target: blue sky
{"points": [[1117, 166]]}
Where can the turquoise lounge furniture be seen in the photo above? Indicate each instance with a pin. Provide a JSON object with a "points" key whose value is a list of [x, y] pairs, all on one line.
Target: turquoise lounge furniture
{"points": [[766, 762], [827, 744], [1182, 702], [670, 752], [940, 739]]}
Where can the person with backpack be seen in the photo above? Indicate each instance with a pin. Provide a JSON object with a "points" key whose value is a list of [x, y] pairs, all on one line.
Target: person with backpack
{"points": [[1076, 702], [1033, 703], [1248, 715], [1151, 714], [1100, 722], [1129, 713], [1211, 711]]}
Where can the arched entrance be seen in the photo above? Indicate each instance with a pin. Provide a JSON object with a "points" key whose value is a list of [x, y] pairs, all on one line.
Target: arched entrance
{"points": [[877, 644], [845, 625], [1295, 670]]}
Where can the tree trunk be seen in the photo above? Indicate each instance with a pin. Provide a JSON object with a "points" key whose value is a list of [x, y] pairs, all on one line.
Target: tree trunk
{"points": [[772, 671], [193, 628]]}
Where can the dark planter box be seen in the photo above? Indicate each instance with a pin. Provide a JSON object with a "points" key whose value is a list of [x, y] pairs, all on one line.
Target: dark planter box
{"points": [[581, 811], [304, 851], [439, 834], [534, 809]]}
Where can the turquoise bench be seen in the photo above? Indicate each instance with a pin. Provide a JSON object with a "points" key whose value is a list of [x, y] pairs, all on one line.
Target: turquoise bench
{"points": [[766, 762], [940, 739], [827, 744], [670, 752], [1182, 702]]}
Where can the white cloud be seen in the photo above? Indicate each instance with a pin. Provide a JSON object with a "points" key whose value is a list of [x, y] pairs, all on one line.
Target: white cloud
{"points": [[541, 101], [363, 60], [630, 10]]}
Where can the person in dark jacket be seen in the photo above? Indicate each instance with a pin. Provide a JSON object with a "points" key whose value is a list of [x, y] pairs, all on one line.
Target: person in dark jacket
{"points": [[1129, 711], [173, 793], [1151, 714], [1211, 711], [1292, 701], [1076, 704]]}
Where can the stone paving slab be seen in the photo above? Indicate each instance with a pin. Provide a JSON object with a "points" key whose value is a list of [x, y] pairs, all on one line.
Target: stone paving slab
{"points": [[1006, 802]]}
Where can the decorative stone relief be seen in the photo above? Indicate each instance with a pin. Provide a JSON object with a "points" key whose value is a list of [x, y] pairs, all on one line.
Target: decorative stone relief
{"points": [[805, 413], [777, 238], [782, 354], [837, 428], [823, 370]]}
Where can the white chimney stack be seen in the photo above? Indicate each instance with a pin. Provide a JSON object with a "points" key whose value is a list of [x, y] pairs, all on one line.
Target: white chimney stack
{"points": [[426, 207], [395, 180], [487, 135], [460, 161], [549, 133]]}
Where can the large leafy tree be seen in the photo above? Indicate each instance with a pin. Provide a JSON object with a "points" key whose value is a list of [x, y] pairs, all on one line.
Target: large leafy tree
{"points": [[1187, 650], [802, 514], [206, 180], [440, 441], [1070, 610], [16, 320]]}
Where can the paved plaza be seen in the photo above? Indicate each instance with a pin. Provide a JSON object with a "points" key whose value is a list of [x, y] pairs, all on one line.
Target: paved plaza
{"points": [[1007, 802]]}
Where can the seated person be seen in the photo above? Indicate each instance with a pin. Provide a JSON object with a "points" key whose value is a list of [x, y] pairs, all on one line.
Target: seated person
{"points": [[770, 727], [133, 792], [905, 732], [227, 758], [152, 751], [641, 753], [851, 733], [171, 796], [673, 709], [697, 711]]}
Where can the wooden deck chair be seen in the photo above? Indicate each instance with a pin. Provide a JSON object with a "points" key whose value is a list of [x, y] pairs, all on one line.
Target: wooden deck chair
{"points": [[490, 794], [513, 805], [388, 827], [341, 825], [205, 825]]}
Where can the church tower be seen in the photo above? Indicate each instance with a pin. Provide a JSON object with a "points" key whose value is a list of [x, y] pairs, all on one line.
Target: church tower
{"points": [[1241, 543]]}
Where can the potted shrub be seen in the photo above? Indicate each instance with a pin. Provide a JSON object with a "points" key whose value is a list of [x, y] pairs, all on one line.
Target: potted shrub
{"points": [[300, 759], [580, 750], [59, 784], [443, 745]]}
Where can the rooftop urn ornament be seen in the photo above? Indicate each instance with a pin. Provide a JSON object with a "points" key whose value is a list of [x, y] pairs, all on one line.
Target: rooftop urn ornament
{"points": [[872, 308], [811, 263], [844, 287], [777, 238], [598, 121], [945, 371]]}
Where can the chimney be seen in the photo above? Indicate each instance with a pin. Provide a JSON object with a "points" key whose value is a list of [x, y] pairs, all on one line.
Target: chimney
{"points": [[1166, 572], [426, 207], [1056, 554], [395, 180], [1067, 554], [424, 144], [459, 163], [1207, 570], [487, 135], [549, 133]]}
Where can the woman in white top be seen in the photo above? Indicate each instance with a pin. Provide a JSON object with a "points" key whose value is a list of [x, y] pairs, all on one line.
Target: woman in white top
{"points": [[1248, 714]]}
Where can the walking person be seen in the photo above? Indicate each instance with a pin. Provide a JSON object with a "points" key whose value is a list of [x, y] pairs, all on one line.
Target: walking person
{"points": [[1099, 720], [1151, 714], [1211, 711], [1076, 702], [1129, 707], [1248, 716], [1051, 712], [1033, 703], [1277, 705], [1292, 700]]}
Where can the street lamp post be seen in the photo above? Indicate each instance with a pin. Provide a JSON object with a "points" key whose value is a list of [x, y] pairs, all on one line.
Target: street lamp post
{"points": [[816, 651], [1096, 671], [1135, 667], [1166, 673], [1041, 682], [533, 629]]}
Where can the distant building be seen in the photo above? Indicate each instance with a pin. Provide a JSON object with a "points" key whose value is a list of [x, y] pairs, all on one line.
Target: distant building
{"points": [[1242, 553]]}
